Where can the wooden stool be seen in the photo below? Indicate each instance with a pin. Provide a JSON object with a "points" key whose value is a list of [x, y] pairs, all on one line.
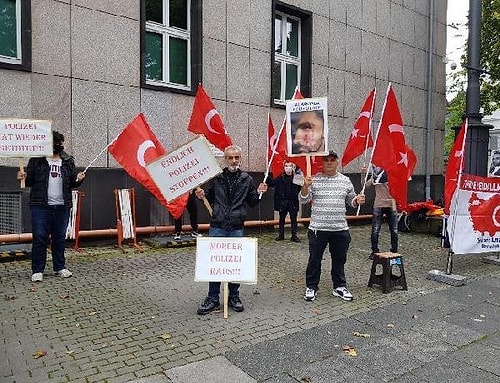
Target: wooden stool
{"points": [[387, 280]]}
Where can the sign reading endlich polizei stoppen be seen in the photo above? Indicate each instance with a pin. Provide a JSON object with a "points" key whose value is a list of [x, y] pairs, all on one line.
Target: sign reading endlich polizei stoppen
{"points": [[226, 259], [25, 138], [184, 169]]}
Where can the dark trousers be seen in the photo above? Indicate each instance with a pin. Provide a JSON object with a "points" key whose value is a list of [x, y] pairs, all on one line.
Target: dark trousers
{"points": [[293, 221], [192, 209], [48, 222], [392, 222], [338, 244]]}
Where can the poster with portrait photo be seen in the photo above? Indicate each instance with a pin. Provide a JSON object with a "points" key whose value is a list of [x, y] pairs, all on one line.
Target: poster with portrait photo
{"points": [[494, 164], [307, 127]]}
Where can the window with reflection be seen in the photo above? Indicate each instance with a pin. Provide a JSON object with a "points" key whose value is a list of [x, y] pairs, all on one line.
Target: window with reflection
{"points": [[15, 39]]}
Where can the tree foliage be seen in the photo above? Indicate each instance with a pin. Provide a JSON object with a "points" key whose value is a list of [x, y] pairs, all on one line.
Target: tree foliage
{"points": [[490, 79]]}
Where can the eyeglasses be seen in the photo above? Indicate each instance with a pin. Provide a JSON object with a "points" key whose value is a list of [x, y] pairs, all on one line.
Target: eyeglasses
{"points": [[232, 158]]}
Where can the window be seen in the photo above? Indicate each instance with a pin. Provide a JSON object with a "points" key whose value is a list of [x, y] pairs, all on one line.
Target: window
{"points": [[292, 52], [15, 38], [171, 44]]}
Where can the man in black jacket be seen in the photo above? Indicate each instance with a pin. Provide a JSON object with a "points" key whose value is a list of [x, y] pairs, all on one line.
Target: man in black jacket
{"points": [[51, 180], [229, 193], [286, 200]]}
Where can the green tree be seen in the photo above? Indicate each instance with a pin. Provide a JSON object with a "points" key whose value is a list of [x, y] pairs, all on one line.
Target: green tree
{"points": [[490, 79]]}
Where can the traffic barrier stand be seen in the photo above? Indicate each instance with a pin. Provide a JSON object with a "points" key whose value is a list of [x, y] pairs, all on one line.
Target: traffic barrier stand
{"points": [[73, 230], [125, 217]]}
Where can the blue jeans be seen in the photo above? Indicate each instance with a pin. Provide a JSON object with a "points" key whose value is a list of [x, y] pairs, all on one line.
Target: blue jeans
{"points": [[392, 221], [338, 244], [214, 287], [48, 222]]}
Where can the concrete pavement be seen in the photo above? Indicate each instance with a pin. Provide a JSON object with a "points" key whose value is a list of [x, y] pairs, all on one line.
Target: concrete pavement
{"points": [[132, 318]]}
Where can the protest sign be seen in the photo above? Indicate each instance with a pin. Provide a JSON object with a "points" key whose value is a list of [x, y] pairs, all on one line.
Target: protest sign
{"points": [[25, 138], [226, 259], [184, 169], [307, 126]]}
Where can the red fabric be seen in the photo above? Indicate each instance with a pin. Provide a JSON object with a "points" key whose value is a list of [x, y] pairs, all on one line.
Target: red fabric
{"points": [[276, 166], [136, 146], [454, 167], [412, 161], [206, 120], [361, 137], [300, 162], [391, 152]]}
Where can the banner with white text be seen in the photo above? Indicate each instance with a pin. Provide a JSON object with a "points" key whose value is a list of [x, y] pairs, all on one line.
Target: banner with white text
{"points": [[184, 169], [25, 138], [226, 259], [474, 222]]}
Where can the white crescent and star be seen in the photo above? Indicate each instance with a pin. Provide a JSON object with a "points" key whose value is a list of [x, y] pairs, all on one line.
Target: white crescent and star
{"points": [[141, 150]]}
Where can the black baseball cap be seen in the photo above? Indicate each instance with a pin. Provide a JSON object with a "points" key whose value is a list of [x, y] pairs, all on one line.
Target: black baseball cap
{"points": [[333, 154]]}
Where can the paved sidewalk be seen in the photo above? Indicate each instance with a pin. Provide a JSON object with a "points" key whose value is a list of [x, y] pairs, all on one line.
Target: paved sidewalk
{"points": [[132, 318]]}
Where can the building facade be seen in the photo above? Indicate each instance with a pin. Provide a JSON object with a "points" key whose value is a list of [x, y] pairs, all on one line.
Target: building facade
{"points": [[91, 66]]}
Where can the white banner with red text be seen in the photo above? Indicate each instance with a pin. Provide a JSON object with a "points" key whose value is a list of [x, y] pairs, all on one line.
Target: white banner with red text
{"points": [[474, 222]]}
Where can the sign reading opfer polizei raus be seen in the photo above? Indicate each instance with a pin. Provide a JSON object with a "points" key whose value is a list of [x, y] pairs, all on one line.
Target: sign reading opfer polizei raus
{"points": [[226, 259], [25, 138], [184, 169]]}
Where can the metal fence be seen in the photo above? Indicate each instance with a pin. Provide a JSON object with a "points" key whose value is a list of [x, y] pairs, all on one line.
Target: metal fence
{"points": [[11, 213]]}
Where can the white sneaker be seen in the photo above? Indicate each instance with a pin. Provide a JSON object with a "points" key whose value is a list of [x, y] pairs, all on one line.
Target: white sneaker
{"points": [[310, 294], [343, 293], [37, 277], [65, 273], [177, 237], [195, 234]]}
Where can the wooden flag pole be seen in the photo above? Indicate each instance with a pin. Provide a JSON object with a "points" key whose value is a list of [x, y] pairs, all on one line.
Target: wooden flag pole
{"points": [[226, 299], [308, 165]]}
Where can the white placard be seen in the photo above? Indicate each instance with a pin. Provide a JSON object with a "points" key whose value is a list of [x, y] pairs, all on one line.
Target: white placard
{"points": [[226, 259], [184, 169], [307, 127], [25, 138]]}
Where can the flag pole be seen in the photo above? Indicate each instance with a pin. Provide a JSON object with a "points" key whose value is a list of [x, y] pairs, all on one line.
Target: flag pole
{"points": [[366, 145], [449, 261], [275, 144]]}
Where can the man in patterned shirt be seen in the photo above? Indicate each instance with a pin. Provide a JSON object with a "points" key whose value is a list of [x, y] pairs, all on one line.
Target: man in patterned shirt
{"points": [[329, 192]]}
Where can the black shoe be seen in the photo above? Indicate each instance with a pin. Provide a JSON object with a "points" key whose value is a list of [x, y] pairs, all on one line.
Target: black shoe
{"points": [[236, 304], [295, 239], [371, 256], [208, 306], [280, 238]]}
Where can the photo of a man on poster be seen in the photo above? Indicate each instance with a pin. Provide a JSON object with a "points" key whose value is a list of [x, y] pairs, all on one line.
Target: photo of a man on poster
{"points": [[494, 169], [307, 127]]}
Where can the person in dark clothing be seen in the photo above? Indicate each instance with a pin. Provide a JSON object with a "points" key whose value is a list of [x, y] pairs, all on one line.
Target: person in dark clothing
{"points": [[192, 209], [228, 193], [51, 180], [286, 200]]}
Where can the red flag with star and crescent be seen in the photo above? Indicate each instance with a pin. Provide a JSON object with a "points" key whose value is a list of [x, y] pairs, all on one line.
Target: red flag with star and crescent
{"points": [[275, 160], [390, 151], [360, 138], [136, 146], [454, 166], [206, 120]]}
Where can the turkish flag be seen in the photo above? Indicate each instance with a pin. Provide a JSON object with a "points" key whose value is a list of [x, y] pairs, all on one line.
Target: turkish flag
{"points": [[361, 137], [206, 120], [390, 150], [455, 166], [137, 145], [275, 160], [300, 162]]}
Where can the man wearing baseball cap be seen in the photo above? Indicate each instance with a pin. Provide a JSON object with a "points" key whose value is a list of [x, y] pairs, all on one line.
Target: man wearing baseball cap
{"points": [[329, 192]]}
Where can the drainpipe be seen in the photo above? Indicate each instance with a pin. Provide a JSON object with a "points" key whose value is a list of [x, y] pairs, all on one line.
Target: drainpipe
{"points": [[428, 118], [148, 230]]}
